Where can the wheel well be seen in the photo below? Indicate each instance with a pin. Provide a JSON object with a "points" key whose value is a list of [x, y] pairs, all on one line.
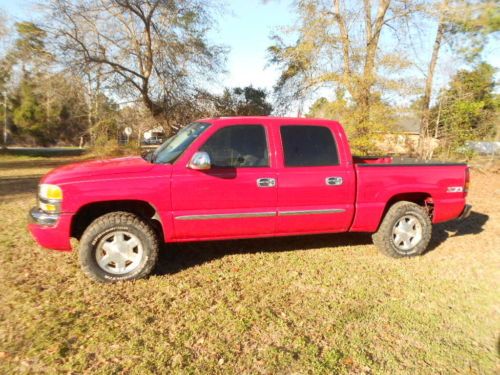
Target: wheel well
{"points": [[422, 199], [89, 212]]}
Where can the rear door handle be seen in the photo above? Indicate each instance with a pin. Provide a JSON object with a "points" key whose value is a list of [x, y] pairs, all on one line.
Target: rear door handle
{"points": [[266, 182], [334, 181]]}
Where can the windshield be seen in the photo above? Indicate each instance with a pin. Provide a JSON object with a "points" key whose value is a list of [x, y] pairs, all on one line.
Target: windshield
{"points": [[174, 146]]}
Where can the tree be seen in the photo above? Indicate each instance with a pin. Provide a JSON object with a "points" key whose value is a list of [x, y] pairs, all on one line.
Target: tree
{"points": [[29, 48], [467, 110], [333, 49], [5, 71], [426, 99], [4, 29], [347, 113], [473, 20], [28, 52], [29, 114], [246, 101], [47, 105], [156, 50]]}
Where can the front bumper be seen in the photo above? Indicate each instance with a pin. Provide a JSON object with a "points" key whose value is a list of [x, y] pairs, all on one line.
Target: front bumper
{"points": [[50, 230], [42, 218], [466, 212]]}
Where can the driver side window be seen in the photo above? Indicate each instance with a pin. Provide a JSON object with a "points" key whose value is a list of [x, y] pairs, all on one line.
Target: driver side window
{"points": [[238, 147]]}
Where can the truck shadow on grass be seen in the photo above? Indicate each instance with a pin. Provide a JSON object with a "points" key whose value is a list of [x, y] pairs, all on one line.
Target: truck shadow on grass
{"points": [[177, 257], [474, 224]]}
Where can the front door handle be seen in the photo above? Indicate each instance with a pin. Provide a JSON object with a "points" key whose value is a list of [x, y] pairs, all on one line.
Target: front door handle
{"points": [[266, 182], [334, 181]]}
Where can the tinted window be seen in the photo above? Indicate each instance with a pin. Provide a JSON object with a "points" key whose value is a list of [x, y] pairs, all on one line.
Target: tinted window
{"points": [[308, 146], [238, 146]]}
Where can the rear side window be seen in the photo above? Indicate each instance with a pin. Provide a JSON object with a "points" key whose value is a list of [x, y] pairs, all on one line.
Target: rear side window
{"points": [[238, 146], [308, 146]]}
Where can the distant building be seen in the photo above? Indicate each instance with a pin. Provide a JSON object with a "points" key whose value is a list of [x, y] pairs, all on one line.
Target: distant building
{"points": [[403, 140], [157, 132]]}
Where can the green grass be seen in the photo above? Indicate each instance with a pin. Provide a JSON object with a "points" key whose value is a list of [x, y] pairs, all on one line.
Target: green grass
{"points": [[319, 304]]}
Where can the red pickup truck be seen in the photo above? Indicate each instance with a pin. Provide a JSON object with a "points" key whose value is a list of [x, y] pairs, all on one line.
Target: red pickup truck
{"points": [[241, 177]]}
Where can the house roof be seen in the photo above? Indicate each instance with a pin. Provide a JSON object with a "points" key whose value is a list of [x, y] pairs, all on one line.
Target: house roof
{"points": [[408, 123]]}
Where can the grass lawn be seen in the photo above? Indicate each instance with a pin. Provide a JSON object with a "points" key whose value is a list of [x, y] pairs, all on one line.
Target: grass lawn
{"points": [[319, 304]]}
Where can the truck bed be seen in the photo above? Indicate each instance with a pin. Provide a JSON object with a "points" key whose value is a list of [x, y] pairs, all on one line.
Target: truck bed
{"points": [[389, 161], [382, 180]]}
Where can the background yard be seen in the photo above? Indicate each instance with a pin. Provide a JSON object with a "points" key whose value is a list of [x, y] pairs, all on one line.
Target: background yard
{"points": [[319, 304]]}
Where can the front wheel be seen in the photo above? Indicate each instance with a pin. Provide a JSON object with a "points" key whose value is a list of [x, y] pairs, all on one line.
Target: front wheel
{"points": [[405, 231], [118, 246]]}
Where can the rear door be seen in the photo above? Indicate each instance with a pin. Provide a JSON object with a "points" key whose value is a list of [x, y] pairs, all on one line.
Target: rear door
{"points": [[315, 185], [237, 196]]}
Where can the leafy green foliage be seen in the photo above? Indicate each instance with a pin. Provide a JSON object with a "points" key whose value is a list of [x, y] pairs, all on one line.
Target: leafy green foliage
{"points": [[468, 109], [46, 106], [29, 47], [29, 114], [243, 101], [48, 109], [469, 25], [363, 135]]}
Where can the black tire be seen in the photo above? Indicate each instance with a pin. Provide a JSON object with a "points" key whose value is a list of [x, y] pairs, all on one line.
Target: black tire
{"points": [[106, 225], [384, 238]]}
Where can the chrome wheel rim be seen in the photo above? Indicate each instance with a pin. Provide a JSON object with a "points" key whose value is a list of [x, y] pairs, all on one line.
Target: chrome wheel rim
{"points": [[119, 252], [407, 233]]}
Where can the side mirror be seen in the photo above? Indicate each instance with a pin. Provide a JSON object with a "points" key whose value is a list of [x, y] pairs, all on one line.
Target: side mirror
{"points": [[200, 161], [147, 155]]}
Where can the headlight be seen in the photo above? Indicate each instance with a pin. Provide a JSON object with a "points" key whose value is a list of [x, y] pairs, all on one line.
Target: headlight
{"points": [[48, 191], [50, 197]]}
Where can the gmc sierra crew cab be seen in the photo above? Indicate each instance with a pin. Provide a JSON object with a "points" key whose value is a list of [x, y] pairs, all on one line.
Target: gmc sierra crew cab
{"points": [[241, 177]]}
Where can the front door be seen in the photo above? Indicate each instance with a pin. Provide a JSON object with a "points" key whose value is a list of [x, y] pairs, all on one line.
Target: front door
{"points": [[236, 197], [315, 186]]}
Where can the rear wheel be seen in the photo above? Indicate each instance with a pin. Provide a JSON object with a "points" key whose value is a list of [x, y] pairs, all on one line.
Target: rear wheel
{"points": [[118, 246], [405, 231]]}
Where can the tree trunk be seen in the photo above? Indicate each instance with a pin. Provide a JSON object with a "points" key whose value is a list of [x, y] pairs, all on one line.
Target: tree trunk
{"points": [[5, 131], [373, 29], [344, 37], [426, 100], [153, 108]]}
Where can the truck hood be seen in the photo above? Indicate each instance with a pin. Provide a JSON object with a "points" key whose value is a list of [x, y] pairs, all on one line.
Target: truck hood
{"points": [[97, 169]]}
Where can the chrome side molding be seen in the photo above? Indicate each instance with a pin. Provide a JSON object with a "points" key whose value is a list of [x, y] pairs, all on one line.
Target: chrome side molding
{"points": [[311, 212], [225, 216], [260, 214]]}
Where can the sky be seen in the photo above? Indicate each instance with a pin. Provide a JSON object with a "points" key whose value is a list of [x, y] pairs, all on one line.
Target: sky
{"points": [[246, 30]]}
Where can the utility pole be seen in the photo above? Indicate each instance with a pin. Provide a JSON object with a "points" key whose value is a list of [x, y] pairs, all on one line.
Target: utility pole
{"points": [[4, 145]]}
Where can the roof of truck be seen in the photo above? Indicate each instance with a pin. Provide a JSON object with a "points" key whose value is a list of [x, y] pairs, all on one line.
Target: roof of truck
{"points": [[270, 120]]}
